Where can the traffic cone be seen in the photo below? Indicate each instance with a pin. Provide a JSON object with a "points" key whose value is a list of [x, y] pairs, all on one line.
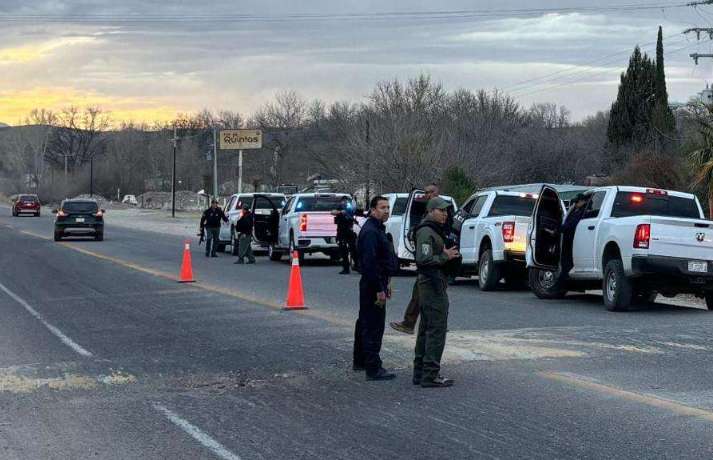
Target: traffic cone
{"points": [[186, 275], [295, 293]]}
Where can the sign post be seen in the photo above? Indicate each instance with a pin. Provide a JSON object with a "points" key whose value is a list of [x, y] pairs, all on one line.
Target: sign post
{"points": [[240, 139]]}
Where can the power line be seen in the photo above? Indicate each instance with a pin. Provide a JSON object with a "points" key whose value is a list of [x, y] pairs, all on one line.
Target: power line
{"points": [[379, 16]]}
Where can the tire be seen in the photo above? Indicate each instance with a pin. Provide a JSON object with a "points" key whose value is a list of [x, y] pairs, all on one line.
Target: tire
{"points": [[618, 292], [300, 253], [709, 300], [234, 245], [488, 272], [57, 235], [99, 236], [545, 285], [273, 253]]}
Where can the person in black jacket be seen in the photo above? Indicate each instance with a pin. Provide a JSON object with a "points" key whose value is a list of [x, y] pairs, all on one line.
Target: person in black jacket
{"points": [[568, 230], [244, 228], [210, 221], [344, 218], [378, 262]]}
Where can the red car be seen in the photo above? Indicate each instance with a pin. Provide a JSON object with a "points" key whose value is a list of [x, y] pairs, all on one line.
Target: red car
{"points": [[26, 204]]}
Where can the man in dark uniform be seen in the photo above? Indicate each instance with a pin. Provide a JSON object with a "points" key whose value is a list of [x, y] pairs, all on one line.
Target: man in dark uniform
{"points": [[378, 262], [344, 218], [210, 223], [244, 228], [569, 227], [432, 256], [408, 324]]}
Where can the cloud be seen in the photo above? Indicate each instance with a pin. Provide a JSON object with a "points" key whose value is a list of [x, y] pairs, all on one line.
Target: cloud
{"points": [[27, 53]]}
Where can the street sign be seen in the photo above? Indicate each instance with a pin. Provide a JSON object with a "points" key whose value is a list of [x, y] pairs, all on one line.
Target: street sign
{"points": [[240, 139]]}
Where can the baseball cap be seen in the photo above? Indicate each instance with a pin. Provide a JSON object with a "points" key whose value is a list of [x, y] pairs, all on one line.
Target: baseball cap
{"points": [[437, 203]]}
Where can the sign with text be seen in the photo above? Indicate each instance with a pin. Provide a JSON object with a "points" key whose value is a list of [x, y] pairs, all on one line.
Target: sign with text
{"points": [[240, 139]]}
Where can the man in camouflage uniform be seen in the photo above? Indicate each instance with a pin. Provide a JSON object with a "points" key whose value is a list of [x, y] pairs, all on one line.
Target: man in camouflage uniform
{"points": [[431, 260]]}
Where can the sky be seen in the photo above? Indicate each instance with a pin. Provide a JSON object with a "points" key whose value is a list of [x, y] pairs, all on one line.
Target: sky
{"points": [[147, 60]]}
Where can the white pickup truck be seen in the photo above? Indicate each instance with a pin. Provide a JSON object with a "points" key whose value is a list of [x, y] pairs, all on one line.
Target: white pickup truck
{"points": [[492, 227], [632, 242], [306, 224], [262, 208], [404, 220]]}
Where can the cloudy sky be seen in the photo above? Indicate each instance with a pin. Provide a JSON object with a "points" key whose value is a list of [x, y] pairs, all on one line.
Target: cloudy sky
{"points": [[148, 60]]}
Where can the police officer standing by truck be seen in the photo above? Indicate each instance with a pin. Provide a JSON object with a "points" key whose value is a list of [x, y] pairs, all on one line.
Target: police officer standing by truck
{"points": [[378, 262], [210, 223], [432, 259], [244, 228], [344, 218]]}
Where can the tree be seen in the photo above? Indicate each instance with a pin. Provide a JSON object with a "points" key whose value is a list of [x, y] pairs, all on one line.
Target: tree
{"points": [[701, 158], [457, 184], [78, 137], [664, 123]]}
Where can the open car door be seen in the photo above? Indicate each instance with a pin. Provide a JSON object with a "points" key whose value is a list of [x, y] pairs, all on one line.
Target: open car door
{"points": [[545, 236], [415, 210], [266, 216]]}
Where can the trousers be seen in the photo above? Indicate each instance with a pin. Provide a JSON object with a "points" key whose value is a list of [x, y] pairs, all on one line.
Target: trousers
{"points": [[432, 329], [369, 330], [212, 235]]}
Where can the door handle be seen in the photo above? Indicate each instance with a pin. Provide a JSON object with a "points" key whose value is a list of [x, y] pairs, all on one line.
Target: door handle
{"points": [[591, 227]]}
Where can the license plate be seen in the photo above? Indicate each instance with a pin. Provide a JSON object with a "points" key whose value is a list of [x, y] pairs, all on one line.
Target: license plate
{"points": [[80, 220], [698, 267]]}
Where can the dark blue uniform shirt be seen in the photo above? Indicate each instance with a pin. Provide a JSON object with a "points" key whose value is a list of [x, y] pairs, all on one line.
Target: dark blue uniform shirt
{"points": [[376, 255]]}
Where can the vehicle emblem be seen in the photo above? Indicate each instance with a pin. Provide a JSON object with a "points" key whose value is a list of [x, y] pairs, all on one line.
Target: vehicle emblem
{"points": [[700, 237]]}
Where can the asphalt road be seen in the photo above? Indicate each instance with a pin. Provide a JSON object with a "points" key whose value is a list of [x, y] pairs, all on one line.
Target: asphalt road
{"points": [[104, 355]]}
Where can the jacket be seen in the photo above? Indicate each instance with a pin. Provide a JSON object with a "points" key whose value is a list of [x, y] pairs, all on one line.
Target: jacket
{"points": [[245, 224], [431, 261], [211, 218], [345, 225], [377, 259]]}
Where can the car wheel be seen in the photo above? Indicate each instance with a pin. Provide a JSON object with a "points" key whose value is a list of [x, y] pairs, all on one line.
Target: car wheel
{"points": [[234, 246], [99, 236], [709, 300], [488, 272], [273, 253], [300, 254], [617, 288], [545, 284], [57, 235]]}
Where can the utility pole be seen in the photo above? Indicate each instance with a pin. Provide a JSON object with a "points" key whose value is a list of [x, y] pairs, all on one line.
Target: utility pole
{"points": [[704, 2], [173, 175], [91, 176], [215, 164], [368, 163], [698, 30], [240, 171]]}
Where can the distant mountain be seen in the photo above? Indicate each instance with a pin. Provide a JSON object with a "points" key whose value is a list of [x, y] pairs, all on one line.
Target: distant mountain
{"points": [[3, 125]]}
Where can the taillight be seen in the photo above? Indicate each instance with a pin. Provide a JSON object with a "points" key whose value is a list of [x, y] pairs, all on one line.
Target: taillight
{"points": [[508, 232], [303, 223], [642, 237]]}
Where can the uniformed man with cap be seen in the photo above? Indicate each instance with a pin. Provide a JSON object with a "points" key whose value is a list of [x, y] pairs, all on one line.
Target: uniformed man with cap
{"points": [[432, 256], [210, 221]]}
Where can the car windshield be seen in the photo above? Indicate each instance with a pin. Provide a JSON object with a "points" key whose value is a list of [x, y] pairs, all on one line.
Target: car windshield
{"points": [[80, 207], [506, 205], [320, 203], [629, 204], [28, 198], [244, 200], [267, 202]]}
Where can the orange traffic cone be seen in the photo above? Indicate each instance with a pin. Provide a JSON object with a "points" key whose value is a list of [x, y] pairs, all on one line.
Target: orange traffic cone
{"points": [[186, 275], [295, 293]]}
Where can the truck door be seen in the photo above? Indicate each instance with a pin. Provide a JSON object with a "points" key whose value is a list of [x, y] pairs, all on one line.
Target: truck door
{"points": [[585, 237], [468, 240], [415, 210], [545, 237], [266, 214]]}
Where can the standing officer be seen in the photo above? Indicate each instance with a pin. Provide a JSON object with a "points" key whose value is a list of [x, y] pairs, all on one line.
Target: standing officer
{"points": [[408, 324], [576, 213], [244, 227], [344, 218], [378, 262], [210, 221], [432, 256]]}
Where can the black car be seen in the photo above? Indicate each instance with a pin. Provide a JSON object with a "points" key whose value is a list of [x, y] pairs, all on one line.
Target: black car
{"points": [[79, 217]]}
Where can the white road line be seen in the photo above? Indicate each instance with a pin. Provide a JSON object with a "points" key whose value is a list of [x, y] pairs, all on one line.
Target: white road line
{"points": [[195, 432], [65, 340]]}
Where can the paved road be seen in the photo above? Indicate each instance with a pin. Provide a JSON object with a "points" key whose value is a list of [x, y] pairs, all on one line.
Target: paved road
{"points": [[106, 356]]}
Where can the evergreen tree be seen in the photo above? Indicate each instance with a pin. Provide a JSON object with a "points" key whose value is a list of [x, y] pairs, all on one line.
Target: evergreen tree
{"points": [[663, 120], [631, 113]]}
